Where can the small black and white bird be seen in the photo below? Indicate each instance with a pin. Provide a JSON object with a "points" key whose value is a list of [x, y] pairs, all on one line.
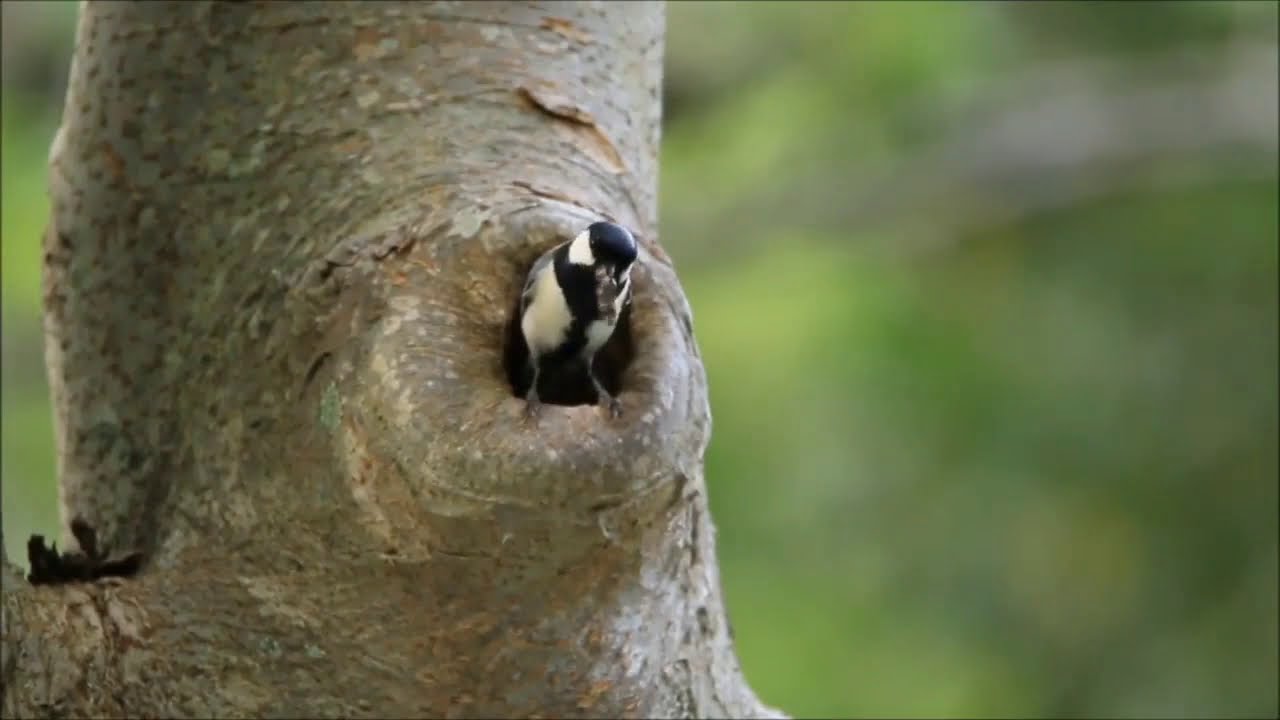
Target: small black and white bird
{"points": [[571, 302]]}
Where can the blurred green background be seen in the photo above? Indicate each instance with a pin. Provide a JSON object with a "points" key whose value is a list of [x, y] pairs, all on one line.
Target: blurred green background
{"points": [[987, 294]]}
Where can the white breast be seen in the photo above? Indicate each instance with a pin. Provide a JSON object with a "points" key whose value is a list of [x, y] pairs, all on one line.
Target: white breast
{"points": [[598, 331], [546, 318]]}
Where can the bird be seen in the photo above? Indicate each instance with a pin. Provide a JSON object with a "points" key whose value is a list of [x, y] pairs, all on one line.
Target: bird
{"points": [[570, 304]]}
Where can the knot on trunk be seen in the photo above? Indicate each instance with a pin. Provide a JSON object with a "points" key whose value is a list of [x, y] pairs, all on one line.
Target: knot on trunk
{"points": [[433, 435]]}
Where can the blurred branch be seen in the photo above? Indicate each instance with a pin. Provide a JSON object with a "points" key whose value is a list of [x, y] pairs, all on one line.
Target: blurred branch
{"points": [[1050, 137], [1061, 135], [34, 43]]}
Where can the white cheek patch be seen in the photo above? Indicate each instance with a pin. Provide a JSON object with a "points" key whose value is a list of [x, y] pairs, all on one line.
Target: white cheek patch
{"points": [[580, 250]]}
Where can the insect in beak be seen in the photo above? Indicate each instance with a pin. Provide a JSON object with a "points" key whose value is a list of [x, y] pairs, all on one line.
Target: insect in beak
{"points": [[606, 292]]}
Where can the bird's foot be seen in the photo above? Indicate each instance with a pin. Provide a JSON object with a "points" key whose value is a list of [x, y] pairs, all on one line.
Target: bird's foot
{"points": [[613, 405], [532, 409], [610, 402]]}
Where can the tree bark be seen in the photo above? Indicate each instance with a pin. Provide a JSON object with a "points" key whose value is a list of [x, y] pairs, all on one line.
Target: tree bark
{"points": [[285, 245]]}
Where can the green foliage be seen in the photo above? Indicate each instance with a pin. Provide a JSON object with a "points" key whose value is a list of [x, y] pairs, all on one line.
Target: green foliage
{"points": [[1028, 470], [26, 433], [26, 203]]}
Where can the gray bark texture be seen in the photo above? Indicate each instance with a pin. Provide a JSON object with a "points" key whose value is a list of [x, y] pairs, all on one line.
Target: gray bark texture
{"points": [[285, 246]]}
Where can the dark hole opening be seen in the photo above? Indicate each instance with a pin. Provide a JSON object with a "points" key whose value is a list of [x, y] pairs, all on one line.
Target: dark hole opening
{"points": [[570, 385]]}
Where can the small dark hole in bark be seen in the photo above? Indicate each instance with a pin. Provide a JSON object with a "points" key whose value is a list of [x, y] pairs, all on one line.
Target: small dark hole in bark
{"points": [[315, 368], [604, 505], [571, 384]]}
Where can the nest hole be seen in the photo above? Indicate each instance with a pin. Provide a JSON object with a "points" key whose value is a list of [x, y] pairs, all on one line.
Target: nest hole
{"points": [[569, 384]]}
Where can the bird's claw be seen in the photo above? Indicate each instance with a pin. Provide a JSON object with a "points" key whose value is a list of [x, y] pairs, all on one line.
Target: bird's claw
{"points": [[532, 410], [614, 405]]}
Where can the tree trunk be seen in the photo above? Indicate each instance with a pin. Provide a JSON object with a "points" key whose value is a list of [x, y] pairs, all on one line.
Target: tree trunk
{"points": [[286, 243]]}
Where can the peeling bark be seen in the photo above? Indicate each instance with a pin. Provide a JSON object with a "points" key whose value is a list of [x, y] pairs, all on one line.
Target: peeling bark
{"points": [[284, 246]]}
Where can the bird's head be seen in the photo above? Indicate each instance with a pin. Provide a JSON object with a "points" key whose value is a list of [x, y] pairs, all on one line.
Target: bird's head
{"points": [[609, 248]]}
